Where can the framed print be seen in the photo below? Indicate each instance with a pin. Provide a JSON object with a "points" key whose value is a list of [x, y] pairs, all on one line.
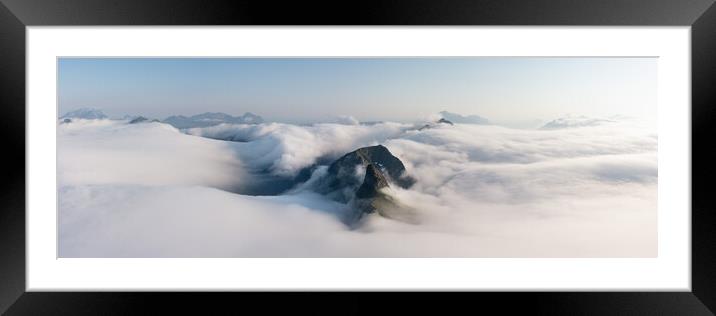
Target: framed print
{"points": [[552, 154]]}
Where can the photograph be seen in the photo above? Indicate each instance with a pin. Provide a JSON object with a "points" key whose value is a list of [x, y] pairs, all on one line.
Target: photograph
{"points": [[357, 157]]}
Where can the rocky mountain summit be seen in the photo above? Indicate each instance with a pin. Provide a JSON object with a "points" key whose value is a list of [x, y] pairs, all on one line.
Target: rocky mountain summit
{"points": [[361, 179], [348, 171]]}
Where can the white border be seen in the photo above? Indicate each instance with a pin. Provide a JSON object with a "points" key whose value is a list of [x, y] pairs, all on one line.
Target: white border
{"points": [[669, 272]]}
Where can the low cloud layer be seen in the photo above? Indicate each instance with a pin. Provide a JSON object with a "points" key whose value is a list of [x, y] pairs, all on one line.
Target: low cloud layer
{"points": [[149, 190], [284, 149], [112, 152]]}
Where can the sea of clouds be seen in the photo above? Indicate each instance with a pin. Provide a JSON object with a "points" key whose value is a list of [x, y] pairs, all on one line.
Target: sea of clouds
{"points": [[150, 190]]}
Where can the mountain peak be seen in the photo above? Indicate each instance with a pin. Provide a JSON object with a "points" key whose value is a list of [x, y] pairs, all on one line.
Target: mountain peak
{"points": [[359, 177], [378, 155]]}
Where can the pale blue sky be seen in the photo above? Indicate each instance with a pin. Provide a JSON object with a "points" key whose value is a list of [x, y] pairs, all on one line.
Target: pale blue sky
{"points": [[506, 89]]}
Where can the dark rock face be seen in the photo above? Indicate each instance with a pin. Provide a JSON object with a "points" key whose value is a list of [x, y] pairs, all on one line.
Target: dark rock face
{"points": [[372, 183], [366, 194], [342, 174]]}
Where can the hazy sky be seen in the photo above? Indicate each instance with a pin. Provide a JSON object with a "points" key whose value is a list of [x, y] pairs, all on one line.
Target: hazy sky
{"points": [[508, 89]]}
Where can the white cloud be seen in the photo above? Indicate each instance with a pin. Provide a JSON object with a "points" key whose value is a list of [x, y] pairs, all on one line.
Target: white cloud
{"points": [[113, 152], [144, 190], [285, 149]]}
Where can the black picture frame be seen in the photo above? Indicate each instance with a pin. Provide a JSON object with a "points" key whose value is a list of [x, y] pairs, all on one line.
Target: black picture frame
{"points": [[15, 15]]}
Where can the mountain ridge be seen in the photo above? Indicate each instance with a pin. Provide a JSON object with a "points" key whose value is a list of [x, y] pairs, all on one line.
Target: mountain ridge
{"points": [[463, 119], [85, 113], [207, 119]]}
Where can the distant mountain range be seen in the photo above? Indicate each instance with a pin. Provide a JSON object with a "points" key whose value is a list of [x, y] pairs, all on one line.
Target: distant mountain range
{"points": [[574, 121], [211, 119], [215, 118], [178, 121], [85, 113], [462, 119]]}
